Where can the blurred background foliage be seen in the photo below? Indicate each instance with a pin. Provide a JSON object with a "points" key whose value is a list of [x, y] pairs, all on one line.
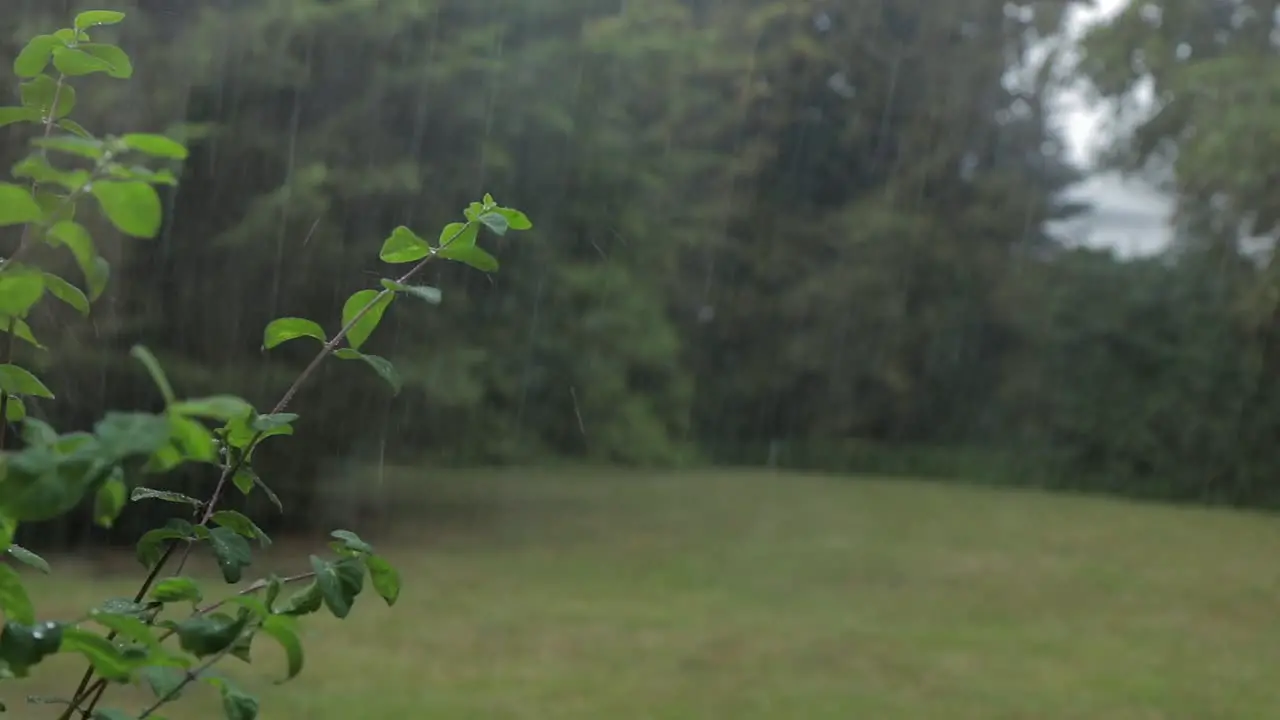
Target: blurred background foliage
{"points": [[809, 233]]}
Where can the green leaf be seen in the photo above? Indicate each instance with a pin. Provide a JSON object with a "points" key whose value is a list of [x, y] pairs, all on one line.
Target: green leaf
{"points": [[284, 329], [241, 525], [37, 169], [109, 501], [339, 583], [97, 276], [473, 256], [403, 246], [151, 545], [380, 365], [76, 238], [232, 552], [426, 293], [28, 558], [67, 293], [376, 302], [127, 434], [216, 407], [11, 115], [458, 235], [146, 493], [516, 220], [155, 145], [237, 705], [115, 714], [117, 59], [42, 92], [14, 409], [246, 479], [495, 221], [273, 424], [18, 381], [17, 207], [283, 630], [384, 577], [34, 57], [130, 626], [14, 601], [102, 654], [149, 361], [73, 62], [22, 646], [304, 602], [164, 681], [21, 330], [351, 541], [74, 128], [120, 606], [131, 205], [92, 18], [177, 589], [204, 635], [20, 290], [90, 148], [192, 440]]}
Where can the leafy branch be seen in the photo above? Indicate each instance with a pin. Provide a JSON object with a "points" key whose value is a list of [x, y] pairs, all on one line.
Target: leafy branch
{"points": [[131, 640]]}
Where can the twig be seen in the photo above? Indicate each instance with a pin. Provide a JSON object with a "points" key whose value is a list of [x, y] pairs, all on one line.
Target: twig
{"points": [[229, 470], [191, 676]]}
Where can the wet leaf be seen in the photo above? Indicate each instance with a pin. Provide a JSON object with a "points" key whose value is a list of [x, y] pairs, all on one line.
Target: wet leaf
{"points": [[102, 654], [204, 635], [177, 589], [28, 558], [146, 493], [241, 525], [92, 18], [22, 645], [231, 551], [339, 582]]}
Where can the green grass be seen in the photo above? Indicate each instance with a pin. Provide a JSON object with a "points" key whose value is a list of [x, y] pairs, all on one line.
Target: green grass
{"points": [[759, 595]]}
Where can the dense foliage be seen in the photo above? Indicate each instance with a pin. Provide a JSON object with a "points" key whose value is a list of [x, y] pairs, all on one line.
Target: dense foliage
{"points": [[808, 231]]}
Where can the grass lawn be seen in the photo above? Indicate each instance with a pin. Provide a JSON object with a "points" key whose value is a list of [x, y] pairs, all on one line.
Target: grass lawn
{"points": [[608, 595]]}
